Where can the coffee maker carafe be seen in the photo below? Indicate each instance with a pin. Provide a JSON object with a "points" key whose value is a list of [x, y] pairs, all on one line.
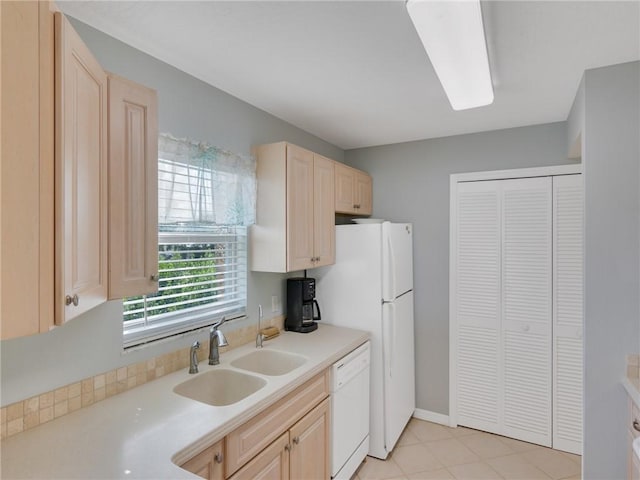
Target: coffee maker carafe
{"points": [[301, 305]]}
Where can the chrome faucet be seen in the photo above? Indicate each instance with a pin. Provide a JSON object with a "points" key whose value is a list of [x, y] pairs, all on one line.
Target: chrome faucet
{"points": [[259, 336], [216, 339], [193, 356]]}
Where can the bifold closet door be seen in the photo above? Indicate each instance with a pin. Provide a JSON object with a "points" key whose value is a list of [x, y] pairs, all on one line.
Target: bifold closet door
{"points": [[527, 308], [503, 307], [568, 251], [477, 305]]}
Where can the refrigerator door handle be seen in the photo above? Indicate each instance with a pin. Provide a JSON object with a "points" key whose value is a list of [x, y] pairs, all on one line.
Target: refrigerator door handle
{"points": [[392, 270], [392, 337]]}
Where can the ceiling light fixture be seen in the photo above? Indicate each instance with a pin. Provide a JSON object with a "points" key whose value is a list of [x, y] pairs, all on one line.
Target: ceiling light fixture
{"points": [[453, 36]]}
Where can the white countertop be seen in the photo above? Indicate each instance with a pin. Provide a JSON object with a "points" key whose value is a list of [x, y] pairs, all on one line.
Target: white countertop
{"points": [[142, 432]]}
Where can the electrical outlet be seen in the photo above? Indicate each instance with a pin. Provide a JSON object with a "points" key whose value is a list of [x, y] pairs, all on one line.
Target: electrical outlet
{"points": [[275, 304]]}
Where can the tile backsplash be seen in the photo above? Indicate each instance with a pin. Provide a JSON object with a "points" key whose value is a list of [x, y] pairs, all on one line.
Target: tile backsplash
{"points": [[633, 366], [40, 409]]}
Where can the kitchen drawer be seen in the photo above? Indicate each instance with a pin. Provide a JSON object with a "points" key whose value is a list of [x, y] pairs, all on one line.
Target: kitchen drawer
{"points": [[248, 440]]}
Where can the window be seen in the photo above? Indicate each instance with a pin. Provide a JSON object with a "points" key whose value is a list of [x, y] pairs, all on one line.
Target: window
{"points": [[206, 197]]}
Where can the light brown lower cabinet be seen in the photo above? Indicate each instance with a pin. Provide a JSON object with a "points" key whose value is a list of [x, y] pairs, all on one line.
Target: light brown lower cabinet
{"points": [[300, 453], [208, 464], [290, 439], [309, 455], [271, 463]]}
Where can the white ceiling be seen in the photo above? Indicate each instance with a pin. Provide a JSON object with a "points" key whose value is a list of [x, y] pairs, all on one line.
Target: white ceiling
{"points": [[355, 74]]}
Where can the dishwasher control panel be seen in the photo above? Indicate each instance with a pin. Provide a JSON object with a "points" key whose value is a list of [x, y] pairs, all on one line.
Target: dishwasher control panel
{"points": [[346, 368]]}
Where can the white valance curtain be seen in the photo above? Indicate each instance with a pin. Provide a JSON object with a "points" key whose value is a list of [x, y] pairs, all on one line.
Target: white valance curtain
{"points": [[201, 185]]}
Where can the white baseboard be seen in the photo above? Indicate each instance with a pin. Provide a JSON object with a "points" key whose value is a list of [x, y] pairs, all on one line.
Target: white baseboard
{"points": [[430, 416]]}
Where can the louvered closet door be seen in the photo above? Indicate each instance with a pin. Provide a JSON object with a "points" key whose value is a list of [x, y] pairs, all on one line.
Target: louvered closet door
{"points": [[527, 309], [477, 306], [567, 312]]}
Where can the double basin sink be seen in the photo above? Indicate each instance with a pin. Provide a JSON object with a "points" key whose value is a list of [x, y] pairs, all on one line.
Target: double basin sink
{"points": [[223, 386]]}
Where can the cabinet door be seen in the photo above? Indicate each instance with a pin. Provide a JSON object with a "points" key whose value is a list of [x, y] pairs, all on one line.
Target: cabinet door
{"points": [[133, 189], [324, 211], [207, 464], [26, 185], [299, 208], [364, 193], [81, 176], [568, 316], [271, 464], [310, 445], [527, 312], [344, 185]]}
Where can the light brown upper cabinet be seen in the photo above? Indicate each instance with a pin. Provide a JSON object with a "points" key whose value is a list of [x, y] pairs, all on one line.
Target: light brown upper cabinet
{"points": [[324, 210], [80, 176], [353, 191], [53, 176], [295, 226], [27, 168], [133, 189]]}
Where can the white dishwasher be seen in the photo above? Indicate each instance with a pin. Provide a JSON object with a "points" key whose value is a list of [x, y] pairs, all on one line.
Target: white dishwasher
{"points": [[350, 412]]}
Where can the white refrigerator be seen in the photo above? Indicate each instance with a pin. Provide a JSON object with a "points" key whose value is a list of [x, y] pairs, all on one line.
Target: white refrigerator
{"points": [[370, 287]]}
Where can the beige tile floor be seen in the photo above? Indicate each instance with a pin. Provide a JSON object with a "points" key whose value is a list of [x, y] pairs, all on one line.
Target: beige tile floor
{"points": [[427, 451]]}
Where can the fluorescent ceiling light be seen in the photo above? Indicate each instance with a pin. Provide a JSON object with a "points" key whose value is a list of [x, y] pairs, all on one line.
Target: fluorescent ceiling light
{"points": [[453, 36]]}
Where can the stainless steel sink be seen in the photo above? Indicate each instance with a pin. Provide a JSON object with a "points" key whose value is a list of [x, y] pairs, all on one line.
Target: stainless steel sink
{"points": [[269, 362], [220, 387]]}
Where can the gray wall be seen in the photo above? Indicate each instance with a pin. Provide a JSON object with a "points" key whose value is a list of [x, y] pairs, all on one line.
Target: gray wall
{"points": [[188, 107], [411, 183], [611, 159], [575, 124]]}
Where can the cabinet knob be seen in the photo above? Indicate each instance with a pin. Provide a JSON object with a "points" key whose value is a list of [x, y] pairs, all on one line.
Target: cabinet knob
{"points": [[296, 440], [287, 447], [68, 300], [218, 457], [636, 425], [154, 278]]}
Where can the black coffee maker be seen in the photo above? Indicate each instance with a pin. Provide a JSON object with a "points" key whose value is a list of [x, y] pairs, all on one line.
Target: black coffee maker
{"points": [[301, 300]]}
